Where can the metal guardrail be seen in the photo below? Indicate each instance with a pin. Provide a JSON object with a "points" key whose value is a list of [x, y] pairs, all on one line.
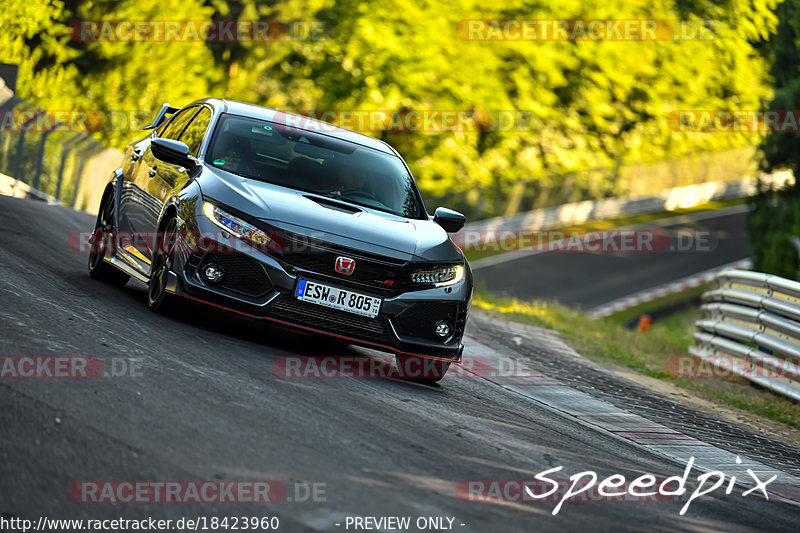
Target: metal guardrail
{"points": [[667, 200], [751, 327], [49, 161]]}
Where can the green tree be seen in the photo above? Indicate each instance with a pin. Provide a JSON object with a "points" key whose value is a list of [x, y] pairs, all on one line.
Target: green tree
{"points": [[584, 110], [775, 215]]}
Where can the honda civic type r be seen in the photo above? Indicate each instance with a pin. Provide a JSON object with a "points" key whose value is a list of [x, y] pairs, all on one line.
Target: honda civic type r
{"points": [[287, 219]]}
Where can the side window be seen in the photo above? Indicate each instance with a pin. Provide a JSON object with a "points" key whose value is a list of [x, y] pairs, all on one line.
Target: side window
{"points": [[175, 126], [194, 133], [164, 125]]}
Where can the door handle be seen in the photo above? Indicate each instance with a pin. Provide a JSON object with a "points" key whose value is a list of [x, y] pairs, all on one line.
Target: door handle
{"points": [[152, 171], [136, 155]]}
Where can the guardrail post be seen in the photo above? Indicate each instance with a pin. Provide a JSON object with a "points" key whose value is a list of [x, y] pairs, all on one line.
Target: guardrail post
{"points": [[796, 242], [7, 107], [64, 151], [83, 155], [40, 161], [21, 144]]}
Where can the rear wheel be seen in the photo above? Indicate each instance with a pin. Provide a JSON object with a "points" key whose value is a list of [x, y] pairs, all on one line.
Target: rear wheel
{"points": [[425, 369], [102, 240], [158, 299]]}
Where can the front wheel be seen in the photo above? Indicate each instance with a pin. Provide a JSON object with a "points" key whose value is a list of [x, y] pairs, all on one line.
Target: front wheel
{"points": [[416, 368], [103, 239], [158, 299]]}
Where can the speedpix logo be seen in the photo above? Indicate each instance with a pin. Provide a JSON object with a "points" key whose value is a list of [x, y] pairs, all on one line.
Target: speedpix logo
{"points": [[589, 487]]}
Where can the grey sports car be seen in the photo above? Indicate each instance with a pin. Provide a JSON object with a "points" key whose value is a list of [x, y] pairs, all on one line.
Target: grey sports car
{"points": [[287, 219]]}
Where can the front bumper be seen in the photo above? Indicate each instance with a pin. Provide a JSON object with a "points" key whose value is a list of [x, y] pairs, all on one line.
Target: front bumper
{"points": [[261, 286]]}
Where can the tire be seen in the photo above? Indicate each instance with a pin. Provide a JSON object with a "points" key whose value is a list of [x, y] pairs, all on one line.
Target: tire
{"points": [[158, 299], [422, 369], [104, 232]]}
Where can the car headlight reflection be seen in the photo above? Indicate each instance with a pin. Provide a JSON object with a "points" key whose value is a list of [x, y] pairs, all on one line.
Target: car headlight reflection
{"points": [[235, 225], [439, 277]]}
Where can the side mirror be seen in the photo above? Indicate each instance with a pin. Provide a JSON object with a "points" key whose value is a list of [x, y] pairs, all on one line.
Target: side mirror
{"points": [[451, 221], [171, 151]]}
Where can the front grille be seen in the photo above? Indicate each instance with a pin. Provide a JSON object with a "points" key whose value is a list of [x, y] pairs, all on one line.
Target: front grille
{"points": [[461, 320], [420, 319], [330, 320], [243, 274], [377, 274]]}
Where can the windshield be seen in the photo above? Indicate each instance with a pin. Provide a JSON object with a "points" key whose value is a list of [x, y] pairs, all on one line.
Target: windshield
{"points": [[316, 163]]}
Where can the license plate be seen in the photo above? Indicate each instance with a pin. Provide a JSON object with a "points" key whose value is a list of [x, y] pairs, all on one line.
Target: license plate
{"points": [[341, 299]]}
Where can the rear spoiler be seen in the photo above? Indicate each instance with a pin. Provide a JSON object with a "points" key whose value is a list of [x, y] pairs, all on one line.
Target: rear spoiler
{"points": [[164, 114]]}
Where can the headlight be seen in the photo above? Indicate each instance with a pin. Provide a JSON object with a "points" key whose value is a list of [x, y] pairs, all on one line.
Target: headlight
{"points": [[235, 225], [439, 277]]}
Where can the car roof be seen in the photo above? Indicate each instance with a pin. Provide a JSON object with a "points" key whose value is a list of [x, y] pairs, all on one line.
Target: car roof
{"points": [[296, 121]]}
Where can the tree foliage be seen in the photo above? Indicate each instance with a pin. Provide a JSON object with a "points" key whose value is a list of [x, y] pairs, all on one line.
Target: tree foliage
{"points": [[584, 109], [775, 216]]}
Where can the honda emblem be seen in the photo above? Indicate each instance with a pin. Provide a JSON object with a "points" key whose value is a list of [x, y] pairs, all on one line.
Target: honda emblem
{"points": [[345, 265]]}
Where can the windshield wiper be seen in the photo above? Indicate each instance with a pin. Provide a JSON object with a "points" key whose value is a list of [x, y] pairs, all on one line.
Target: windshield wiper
{"points": [[334, 200], [381, 207]]}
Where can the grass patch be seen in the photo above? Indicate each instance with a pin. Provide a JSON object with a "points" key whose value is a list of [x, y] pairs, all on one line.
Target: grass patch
{"points": [[604, 225], [669, 300], [608, 343]]}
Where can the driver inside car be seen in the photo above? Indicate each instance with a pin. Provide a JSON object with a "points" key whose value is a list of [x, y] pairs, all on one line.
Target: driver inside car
{"points": [[231, 157], [351, 180]]}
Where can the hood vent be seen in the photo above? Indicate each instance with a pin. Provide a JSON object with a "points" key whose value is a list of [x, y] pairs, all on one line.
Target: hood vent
{"points": [[334, 204]]}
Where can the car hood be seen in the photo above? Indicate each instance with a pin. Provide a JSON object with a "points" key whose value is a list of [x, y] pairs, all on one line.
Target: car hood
{"points": [[299, 212]]}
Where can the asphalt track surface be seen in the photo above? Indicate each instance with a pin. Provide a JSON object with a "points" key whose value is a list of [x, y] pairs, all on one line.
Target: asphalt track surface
{"points": [[589, 280], [206, 404]]}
